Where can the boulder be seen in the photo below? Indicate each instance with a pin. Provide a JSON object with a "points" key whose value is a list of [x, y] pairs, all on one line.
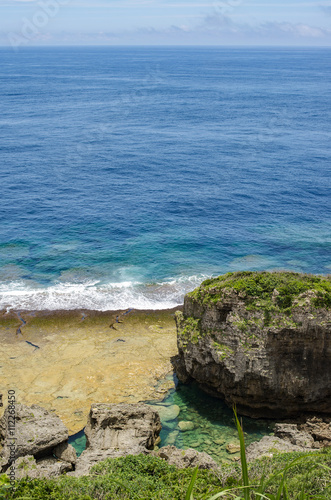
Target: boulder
{"points": [[122, 426], [291, 433], [65, 452], [313, 434], [233, 447], [167, 413], [115, 430], [37, 431], [320, 430], [185, 425], [48, 468], [183, 459], [172, 437], [260, 341], [268, 446]]}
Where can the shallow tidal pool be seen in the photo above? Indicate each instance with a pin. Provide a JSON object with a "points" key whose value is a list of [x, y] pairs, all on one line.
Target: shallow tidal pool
{"points": [[204, 423], [192, 419]]}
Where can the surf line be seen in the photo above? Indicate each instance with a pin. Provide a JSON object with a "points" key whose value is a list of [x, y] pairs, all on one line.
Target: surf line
{"points": [[19, 331]]}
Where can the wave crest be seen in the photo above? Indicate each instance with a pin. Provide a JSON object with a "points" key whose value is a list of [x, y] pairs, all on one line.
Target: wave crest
{"points": [[96, 296]]}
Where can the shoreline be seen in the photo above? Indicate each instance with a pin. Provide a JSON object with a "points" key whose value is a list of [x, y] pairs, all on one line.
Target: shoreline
{"points": [[65, 360]]}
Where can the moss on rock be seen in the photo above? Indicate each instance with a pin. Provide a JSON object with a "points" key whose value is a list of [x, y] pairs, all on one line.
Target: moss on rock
{"points": [[266, 290]]}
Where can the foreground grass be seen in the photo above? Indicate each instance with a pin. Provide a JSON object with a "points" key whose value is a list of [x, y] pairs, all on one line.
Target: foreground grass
{"points": [[302, 476], [146, 477]]}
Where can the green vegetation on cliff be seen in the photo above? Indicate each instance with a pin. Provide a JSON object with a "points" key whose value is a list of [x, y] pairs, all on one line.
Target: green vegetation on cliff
{"points": [[263, 289], [146, 477]]}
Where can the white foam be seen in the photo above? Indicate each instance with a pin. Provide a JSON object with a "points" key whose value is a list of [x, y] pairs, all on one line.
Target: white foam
{"points": [[96, 296]]}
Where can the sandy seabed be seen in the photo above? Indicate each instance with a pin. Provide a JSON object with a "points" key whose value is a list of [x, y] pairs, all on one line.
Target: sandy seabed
{"points": [[67, 360]]}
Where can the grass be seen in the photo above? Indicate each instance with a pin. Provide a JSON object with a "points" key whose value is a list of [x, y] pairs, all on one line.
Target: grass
{"points": [[258, 287], [301, 477]]}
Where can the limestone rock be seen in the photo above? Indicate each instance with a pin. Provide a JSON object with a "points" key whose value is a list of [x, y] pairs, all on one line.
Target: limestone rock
{"points": [[290, 432], [186, 458], [219, 442], [167, 413], [270, 445], [118, 430], [186, 425], [269, 355], [37, 432], [82, 345], [65, 452], [122, 426], [233, 447], [47, 468], [157, 441], [319, 429], [171, 438]]}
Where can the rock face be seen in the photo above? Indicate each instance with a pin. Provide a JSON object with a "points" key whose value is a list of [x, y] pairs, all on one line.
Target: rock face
{"points": [[268, 446], [183, 459], [38, 434], [47, 467], [313, 434], [118, 430], [261, 341]]}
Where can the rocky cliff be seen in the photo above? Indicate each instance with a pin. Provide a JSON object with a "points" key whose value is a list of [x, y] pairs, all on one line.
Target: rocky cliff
{"points": [[261, 341]]}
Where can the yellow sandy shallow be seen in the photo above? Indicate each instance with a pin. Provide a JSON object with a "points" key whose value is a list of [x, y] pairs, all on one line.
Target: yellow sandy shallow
{"points": [[82, 358]]}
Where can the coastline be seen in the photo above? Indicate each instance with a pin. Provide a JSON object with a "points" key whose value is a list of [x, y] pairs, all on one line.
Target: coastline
{"points": [[65, 360]]}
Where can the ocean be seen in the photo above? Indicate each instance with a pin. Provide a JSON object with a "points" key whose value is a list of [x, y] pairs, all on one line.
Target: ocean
{"points": [[130, 174]]}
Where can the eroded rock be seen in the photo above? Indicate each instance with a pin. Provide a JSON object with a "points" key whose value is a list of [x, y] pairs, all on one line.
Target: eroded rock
{"points": [[45, 468], [291, 433], [118, 430], [65, 452], [122, 426], [167, 413], [186, 458], [268, 353], [233, 447], [186, 425], [319, 429], [268, 446], [37, 432]]}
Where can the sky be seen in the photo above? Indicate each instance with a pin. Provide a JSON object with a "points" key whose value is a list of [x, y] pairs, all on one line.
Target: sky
{"points": [[165, 22]]}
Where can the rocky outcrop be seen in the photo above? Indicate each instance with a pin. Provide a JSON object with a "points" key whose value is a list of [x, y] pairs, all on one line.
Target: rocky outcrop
{"points": [[183, 459], [313, 434], [268, 446], [118, 430], [261, 341], [49, 467], [319, 429], [39, 435]]}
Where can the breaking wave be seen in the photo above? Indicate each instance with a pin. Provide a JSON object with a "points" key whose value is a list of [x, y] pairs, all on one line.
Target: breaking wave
{"points": [[94, 295]]}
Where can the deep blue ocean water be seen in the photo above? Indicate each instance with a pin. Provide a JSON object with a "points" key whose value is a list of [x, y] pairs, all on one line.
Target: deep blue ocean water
{"points": [[128, 175]]}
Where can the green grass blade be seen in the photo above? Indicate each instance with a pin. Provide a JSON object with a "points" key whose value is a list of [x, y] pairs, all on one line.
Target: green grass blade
{"points": [[189, 494], [244, 469]]}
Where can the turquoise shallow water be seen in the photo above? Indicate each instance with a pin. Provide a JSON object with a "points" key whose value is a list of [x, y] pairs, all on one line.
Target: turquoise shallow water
{"points": [[130, 174], [212, 423]]}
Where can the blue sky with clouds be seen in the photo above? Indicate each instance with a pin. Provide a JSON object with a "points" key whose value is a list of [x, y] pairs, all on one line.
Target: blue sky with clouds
{"points": [[165, 22]]}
